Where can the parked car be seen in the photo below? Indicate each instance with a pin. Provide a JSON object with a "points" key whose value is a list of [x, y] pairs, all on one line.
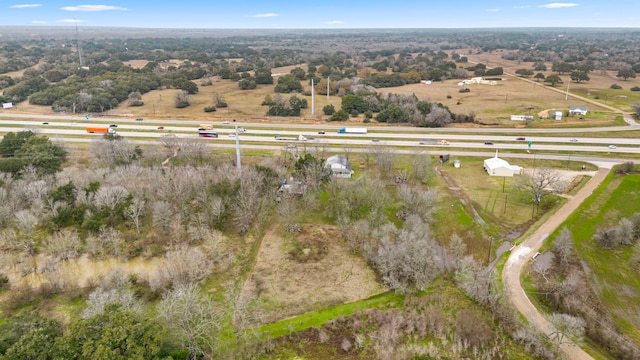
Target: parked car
{"points": [[138, 119], [488, 143], [520, 138], [113, 125], [612, 147], [573, 140], [160, 127]]}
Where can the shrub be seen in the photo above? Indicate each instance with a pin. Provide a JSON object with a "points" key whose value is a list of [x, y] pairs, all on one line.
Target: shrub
{"points": [[328, 109], [615, 86], [464, 90], [340, 115], [635, 88], [182, 104], [209, 109], [448, 96], [136, 103]]}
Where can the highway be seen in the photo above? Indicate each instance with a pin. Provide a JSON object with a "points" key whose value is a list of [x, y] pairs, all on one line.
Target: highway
{"points": [[259, 133]]}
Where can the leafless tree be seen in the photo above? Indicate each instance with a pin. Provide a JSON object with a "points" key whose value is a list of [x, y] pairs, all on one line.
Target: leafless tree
{"points": [[477, 281], [26, 222], [249, 199], [162, 215], [420, 166], [636, 108], [109, 197], [184, 265], [409, 258], [564, 247], [64, 244], [438, 117], [385, 160], [288, 209], [193, 318], [100, 298], [566, 328], [418, 201], [135, 211], [541, 183], [181, 97], [543, 264]]}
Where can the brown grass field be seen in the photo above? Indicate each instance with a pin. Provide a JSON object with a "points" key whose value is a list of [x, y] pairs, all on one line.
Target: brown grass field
{"points": [[492, 104]]}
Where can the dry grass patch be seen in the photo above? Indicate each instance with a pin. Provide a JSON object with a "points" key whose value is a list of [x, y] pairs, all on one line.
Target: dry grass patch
{"points": [[307, 271]]}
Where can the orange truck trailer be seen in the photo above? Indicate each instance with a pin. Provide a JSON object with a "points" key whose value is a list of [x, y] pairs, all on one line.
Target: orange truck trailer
{"points": [[103, 130]]}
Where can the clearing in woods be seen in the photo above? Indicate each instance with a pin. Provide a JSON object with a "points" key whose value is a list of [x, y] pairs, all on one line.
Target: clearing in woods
{"points": [[306, 271]]}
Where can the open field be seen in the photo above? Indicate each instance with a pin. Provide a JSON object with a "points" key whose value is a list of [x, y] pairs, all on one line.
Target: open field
{"points": [[613, 273], [307, 271], [492, 104]]}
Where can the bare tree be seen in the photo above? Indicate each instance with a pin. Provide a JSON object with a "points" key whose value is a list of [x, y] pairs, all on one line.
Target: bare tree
{"points": [[566, 328], [26, 222], [418, 201], [162, 215], [420, 166], [408, 258], [564, 247], [64, 244], [249, 199], [385, 160], [135, 211], [193, 318], [110, 197], [543, 264], [184, 265], [541, 183], [636, 108], [101, 297]]}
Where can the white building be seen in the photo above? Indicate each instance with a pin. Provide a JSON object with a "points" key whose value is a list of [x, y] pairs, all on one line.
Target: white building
{"points": [[499, 167], [339, 166], [577, 110], [557, 115]]}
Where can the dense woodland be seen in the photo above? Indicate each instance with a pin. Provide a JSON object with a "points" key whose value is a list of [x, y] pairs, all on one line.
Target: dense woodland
{"points": [[197, 220]]}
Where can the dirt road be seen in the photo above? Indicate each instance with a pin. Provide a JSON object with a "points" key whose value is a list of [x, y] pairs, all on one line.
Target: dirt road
{"points": [[522, 253]]}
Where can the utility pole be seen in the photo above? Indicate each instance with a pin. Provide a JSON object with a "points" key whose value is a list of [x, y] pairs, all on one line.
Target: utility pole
{"points": [[238, 165], [313, 109], [328, 88]]}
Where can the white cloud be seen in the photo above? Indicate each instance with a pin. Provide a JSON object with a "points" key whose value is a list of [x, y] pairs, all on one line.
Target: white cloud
{"points": [[38, 22], [334, 22], [267, 15], [522, 7], [558, 5], [25, 6], [70, 21], [92, 8], [493, 10]]}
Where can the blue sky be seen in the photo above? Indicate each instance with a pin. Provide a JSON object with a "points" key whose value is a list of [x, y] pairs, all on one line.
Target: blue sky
{"points": [[328, 14]]}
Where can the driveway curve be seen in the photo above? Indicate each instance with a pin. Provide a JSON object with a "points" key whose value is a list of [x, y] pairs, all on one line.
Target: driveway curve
{"points": [[522, 253]]}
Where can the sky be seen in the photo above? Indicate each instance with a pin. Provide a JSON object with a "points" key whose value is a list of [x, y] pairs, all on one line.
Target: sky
{"points": [[328, 14]]}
